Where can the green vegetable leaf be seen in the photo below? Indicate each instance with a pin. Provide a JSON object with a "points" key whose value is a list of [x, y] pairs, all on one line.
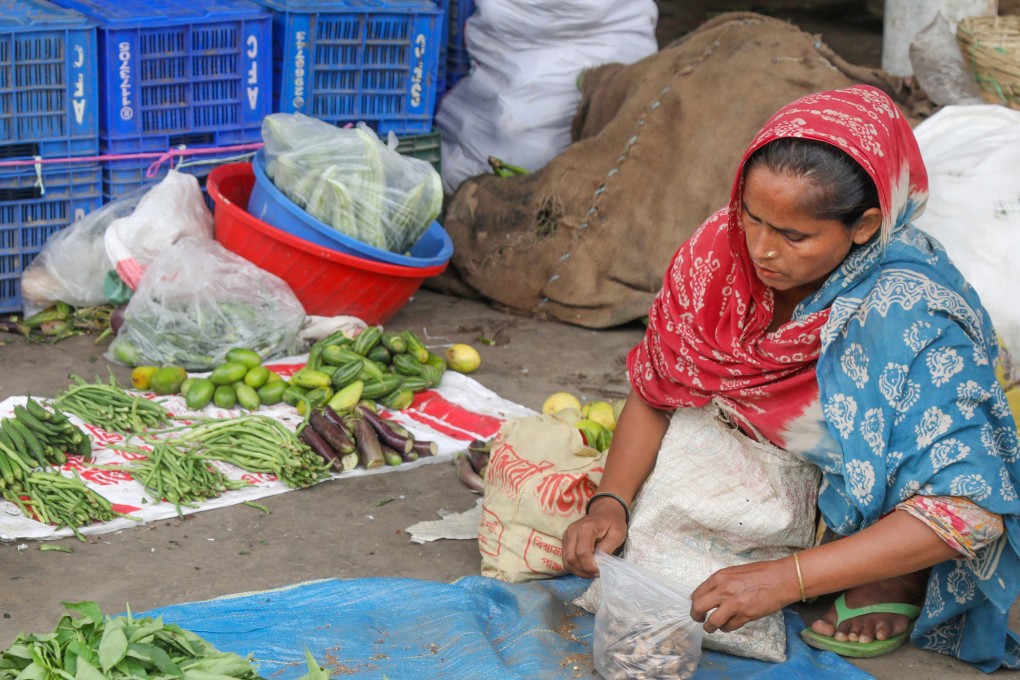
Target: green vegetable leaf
{"points": [[89, 611], [155, 656], [315, 671], [32, 671], [20, 651], [114, 644], [145, 629], [87, 671]]}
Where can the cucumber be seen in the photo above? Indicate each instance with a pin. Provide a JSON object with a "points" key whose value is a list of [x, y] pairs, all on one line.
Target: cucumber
{"points": [[431, 374], [293, 395], [370, 371], [345, 375], [339, 356], [376, 388], [437, 361], [414, 383], [407, 364], [366, 340], [228, 373], [314, 399], [394, 342], [200, 394], [415, 347], [347, 397], [398, 399], [310, 379], [379, 353]]}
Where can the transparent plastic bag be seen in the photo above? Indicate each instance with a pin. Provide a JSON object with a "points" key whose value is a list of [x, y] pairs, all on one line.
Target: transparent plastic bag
{"points": [[350, 180], [73, 262], [198, 300], [643, 626]]}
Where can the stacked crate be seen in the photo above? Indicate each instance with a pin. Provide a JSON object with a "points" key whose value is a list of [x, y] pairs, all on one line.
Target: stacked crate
{"points": [[177, 76], [458, 61], [350, 62], [48, 111]]}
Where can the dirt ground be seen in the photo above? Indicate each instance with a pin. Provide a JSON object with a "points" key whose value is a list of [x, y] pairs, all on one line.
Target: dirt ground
{"points": [[344, 528]]}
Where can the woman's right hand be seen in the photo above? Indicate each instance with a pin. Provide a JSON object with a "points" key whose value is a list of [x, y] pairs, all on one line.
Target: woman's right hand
{"points": [[605, 527]]}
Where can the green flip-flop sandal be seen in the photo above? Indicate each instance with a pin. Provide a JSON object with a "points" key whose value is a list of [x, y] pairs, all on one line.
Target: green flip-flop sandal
{"points": [[861, 650]]}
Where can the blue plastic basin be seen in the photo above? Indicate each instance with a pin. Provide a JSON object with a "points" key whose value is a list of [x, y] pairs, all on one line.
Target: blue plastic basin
{"points": [[271, 206]]}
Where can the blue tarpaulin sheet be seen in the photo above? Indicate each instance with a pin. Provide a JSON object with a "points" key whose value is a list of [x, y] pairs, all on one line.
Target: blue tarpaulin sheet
{"points": [[474, 628]]}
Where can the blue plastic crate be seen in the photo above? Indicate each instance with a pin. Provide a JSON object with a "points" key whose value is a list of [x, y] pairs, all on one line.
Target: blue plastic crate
{"points": [[32, 210], [443, 39], [458, 65], [350, 62], [48, 92], [459, 11], [174, 72]]}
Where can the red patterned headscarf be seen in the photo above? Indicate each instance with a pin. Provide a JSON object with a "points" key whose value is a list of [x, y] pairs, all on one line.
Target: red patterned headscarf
{"points": [[707, 336]]}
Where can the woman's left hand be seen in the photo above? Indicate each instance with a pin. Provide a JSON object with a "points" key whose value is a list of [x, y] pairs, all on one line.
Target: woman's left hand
{"points": [[744, 593]]}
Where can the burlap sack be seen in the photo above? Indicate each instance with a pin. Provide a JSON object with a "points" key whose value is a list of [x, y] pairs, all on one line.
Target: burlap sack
{"points": [[539, 478], [587, 239]]}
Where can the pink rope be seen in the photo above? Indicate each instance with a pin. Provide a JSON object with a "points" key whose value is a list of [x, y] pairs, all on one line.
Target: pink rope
{"points": [[160, 156]]}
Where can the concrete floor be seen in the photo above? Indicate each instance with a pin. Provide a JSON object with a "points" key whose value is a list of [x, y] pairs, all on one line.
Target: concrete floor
{"points": [[338, 529]]}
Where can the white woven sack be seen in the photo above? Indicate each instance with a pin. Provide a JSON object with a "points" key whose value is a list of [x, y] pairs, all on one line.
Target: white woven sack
{"points": [[716, 499], [972, 154]]}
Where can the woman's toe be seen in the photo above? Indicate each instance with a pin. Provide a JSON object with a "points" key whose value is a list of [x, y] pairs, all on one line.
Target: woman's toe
{"points": [[823, 627]]}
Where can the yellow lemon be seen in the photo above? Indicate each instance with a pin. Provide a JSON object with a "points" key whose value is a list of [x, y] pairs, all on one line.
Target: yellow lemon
{"points": [[602, 413], [463, 358], [141, 376], [559, 401]]}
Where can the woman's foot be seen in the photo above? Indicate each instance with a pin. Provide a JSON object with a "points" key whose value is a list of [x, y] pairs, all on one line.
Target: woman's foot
{"points": [[908, 589]]}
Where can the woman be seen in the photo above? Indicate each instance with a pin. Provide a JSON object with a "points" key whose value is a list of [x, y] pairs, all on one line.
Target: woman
{"points": [[812, 310]]}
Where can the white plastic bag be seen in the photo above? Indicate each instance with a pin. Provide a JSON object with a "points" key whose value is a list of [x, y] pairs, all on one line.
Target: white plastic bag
{"points": [[643, 627], [972, 154], [519, 109], [172, 209], [716, 499], [73, 262], [197, 301]]}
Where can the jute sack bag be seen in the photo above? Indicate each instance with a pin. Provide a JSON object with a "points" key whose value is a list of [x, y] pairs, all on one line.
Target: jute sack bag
{"points": [[587, 238], [718, 498], [539, 478]]}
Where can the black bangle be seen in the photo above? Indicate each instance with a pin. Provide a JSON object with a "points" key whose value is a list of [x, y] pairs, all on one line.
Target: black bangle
{"points": [[606, 494]]}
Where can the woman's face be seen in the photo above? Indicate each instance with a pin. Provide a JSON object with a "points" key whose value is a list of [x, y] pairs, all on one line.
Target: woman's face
{"points": [[792, 250]]}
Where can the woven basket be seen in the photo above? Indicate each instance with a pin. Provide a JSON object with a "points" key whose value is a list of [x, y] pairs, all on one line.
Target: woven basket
{"points": [[991, 45]]}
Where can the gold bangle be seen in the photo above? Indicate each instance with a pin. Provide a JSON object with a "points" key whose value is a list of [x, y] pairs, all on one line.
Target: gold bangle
{"points": [[800, 578]]}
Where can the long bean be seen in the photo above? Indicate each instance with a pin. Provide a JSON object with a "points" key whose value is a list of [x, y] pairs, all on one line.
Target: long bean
{"points": [[173, 474], [251, 442], [54, 499], [111, 408]]}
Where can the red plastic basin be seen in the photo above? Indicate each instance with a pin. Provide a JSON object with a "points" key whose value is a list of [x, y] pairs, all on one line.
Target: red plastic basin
{"points": [[327, 282]]}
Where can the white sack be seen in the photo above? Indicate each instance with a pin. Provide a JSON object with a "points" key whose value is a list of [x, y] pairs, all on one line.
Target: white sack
{"points": [[518, 101], [973, 158]]}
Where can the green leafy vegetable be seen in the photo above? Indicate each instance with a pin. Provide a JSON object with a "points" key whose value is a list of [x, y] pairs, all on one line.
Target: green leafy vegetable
{"points": [[97, 647]]}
